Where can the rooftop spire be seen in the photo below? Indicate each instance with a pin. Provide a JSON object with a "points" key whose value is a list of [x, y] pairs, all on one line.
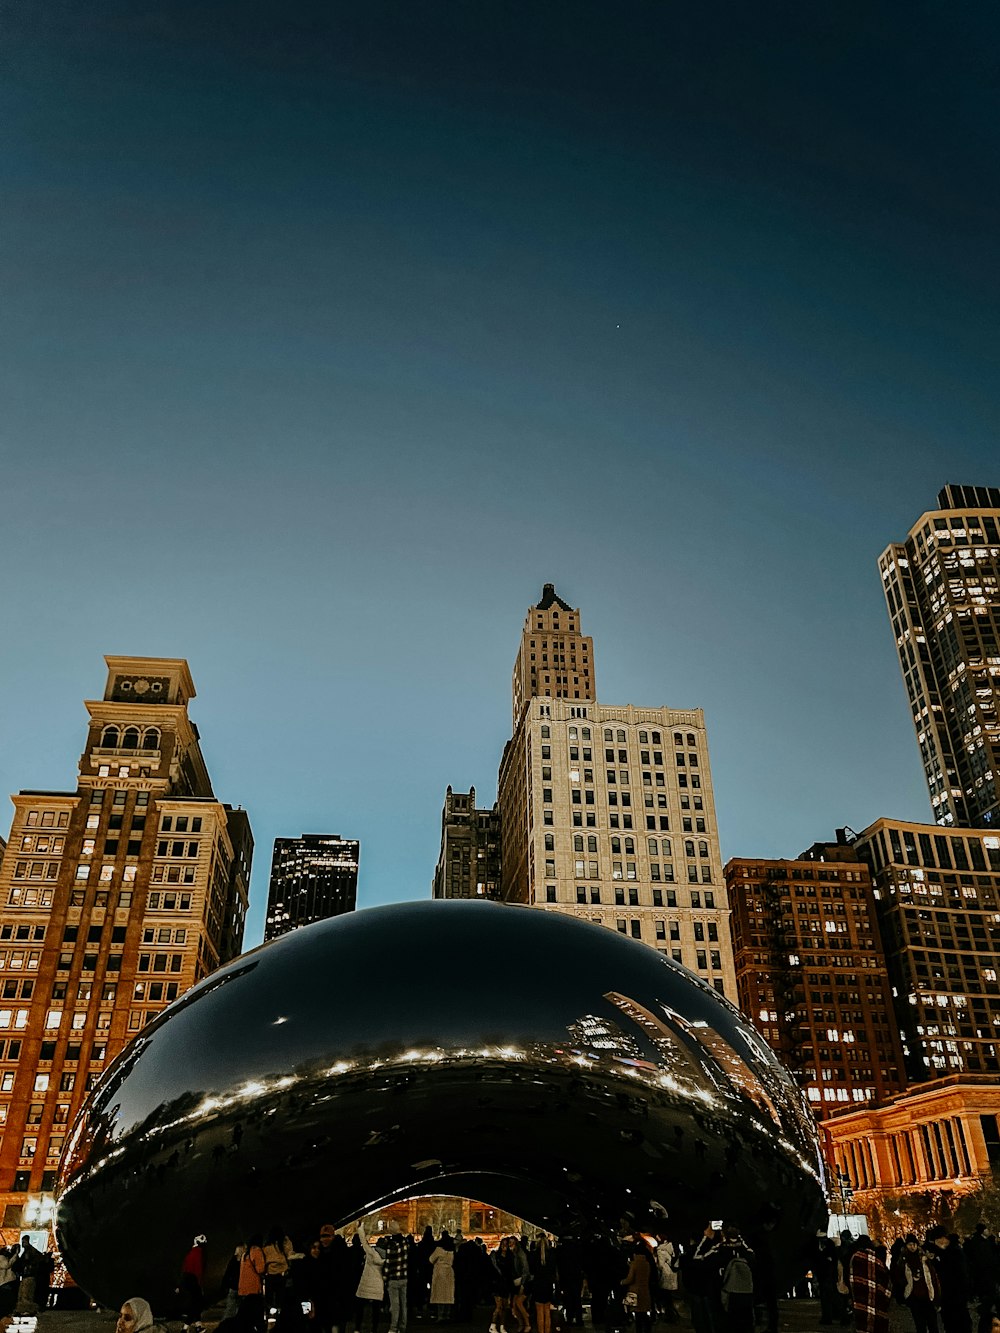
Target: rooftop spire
{"points": [[550, 598]]}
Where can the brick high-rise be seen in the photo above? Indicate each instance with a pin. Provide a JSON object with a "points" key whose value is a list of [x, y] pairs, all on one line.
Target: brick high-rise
{"points": [[942, 589], [607, 812], [811, 974], [115, 898]]}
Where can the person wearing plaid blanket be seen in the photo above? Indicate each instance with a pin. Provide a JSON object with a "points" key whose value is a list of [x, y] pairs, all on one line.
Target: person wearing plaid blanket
{"points": [[870, 1287]]}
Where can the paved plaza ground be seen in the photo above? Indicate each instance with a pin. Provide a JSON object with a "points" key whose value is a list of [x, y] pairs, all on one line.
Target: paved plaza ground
{"points": [[797, 1316]]}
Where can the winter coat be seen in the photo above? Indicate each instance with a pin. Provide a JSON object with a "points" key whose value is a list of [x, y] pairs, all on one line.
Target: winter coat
{"points": [[277, 1257], [638, 1279], [194, 1264], [503, 1271], [544, 1276], [252, 1267], [442, 1277], [951, 1270], [920, 1278], [521, 1269], [667, 1263], [371, 1287]]}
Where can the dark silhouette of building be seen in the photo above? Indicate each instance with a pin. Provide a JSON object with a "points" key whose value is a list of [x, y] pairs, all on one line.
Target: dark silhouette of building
{"points": [[469, 860], [312, 878], [942, 589], [811, 975]]}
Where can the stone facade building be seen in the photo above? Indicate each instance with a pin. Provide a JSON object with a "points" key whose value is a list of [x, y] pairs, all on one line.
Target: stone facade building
{"points": [[469, 860], [115, 898], [607, 812], [554, 660], [941, 1139]]}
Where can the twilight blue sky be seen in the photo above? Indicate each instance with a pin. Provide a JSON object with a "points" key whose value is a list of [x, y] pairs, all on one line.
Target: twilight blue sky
{"points": [[331, 331]]}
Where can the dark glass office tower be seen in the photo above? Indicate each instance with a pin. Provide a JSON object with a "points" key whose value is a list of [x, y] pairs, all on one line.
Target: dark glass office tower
{"points": [[312, 878]]}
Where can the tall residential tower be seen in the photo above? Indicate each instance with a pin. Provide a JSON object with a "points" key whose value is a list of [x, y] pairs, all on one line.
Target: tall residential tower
{"points": [[937, 895], [942, 589]]}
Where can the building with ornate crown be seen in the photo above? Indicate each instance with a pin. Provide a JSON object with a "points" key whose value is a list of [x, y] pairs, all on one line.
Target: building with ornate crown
{"points": [[115, 898], [607, 812]]}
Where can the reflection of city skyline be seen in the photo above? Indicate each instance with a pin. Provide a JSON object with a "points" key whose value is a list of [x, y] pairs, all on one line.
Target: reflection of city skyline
{"points": [[613, 1058], [703, 1068], [593, 1033]]}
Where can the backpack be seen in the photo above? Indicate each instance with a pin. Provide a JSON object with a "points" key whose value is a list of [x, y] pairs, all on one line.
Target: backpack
{"points": [[737, 1280]]}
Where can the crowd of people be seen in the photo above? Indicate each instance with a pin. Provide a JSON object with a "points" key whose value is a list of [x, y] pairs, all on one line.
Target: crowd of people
{"points": [[25, 1278], [728, 1284], [529, 1285], [945, 1283]]}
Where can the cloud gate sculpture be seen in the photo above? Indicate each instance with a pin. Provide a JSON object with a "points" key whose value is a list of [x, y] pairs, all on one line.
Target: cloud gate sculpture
{"points": [[540, 1063]]}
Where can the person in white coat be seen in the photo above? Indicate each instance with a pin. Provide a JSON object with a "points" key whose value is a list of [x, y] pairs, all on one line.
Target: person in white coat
{"points": [[442, 1261], [668, 1262], [371, 1288]]}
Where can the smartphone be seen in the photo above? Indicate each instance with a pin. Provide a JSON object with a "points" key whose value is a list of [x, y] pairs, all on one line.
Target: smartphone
{"points": [[716, 1226]]}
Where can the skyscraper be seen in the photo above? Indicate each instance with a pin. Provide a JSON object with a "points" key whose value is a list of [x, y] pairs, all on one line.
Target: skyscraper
{"points": [[938, 900], [811, 974], [469, 860], [554, 660], [607, 811], [942, 589], [115, 898], [313, 878]]}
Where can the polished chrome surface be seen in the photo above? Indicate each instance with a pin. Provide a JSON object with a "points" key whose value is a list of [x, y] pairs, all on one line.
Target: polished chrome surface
{"points": [[537, 1062]]}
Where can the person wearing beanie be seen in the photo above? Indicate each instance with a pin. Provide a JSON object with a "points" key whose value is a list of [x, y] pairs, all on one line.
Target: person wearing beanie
{"points": [[983, 1263], [917, 1285], [951, 1271], [190, 1287]]}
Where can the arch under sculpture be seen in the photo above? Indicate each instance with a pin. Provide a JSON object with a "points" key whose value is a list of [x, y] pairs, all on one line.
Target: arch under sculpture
{"points": [[546, 1065]]}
